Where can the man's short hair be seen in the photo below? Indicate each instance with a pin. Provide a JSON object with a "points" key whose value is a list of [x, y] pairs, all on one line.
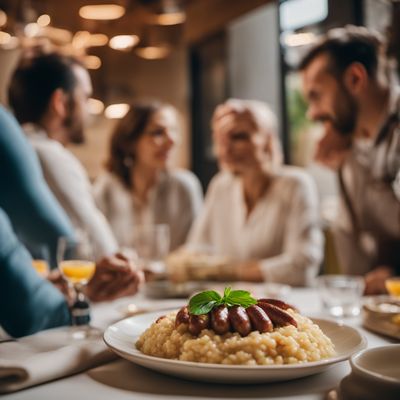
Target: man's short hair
{"points": [[34, 82], [345, 46]]}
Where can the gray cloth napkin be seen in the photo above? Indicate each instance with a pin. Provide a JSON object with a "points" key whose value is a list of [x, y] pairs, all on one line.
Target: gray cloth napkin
{"points": [[46, 356]]}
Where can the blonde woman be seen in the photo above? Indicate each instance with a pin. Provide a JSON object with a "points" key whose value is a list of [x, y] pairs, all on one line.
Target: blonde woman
{"points": [[259, 213]]}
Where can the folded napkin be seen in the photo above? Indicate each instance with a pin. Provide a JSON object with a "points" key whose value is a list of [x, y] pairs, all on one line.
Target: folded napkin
{"points": [[46, 356]]}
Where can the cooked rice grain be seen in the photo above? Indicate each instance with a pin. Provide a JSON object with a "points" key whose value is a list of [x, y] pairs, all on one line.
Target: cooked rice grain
{"points": [[285, 345]]}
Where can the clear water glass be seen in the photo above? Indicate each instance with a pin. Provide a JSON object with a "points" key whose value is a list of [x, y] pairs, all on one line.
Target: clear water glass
{"points": [[341, 294], [152, 244]]}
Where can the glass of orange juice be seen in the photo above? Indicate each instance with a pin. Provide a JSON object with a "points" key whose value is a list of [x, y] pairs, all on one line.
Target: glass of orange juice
{"points": [[41, 267], [40, 259], [393, 286], [76, 264]]}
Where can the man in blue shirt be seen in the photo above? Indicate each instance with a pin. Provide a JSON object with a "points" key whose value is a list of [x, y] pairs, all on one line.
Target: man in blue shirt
{"points": [[29, 303], [36, 216]]}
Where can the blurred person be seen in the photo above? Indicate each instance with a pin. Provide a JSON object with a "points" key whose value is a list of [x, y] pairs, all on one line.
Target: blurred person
{"points": [[347, 84], [36, 216], [139, 187], [49, 94], [30, 303], [257, 212]]}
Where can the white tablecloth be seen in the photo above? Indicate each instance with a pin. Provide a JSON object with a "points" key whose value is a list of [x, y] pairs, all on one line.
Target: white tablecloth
{"points": [[122, 380]]}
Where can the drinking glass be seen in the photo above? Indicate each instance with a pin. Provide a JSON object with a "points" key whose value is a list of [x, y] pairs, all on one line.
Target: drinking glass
{"points": [[151, 243], [393, 286], [341, 294], [41, 260], [77, 265], [41, 266]]}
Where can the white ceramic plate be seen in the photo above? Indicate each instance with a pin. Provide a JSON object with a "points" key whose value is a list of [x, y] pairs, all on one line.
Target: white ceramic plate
{"points": [[121, 338]]}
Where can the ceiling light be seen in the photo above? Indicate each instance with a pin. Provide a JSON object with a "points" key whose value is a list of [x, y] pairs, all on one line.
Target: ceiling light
{"points": [[4, 38], [80, 39], [102, 11], [92, 62], [11, 44], [299, 39], [96, 106], [84, 39], [3, 18], [123, 42], [153, 52], [31, 30], [7, 41], [116, 111], [44, 20], [171, 18], [57, 34], [98, 39]]}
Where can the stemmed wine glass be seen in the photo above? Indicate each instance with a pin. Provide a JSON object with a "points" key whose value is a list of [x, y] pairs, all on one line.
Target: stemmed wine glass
{"points": [[41, 260], [76, 263]]}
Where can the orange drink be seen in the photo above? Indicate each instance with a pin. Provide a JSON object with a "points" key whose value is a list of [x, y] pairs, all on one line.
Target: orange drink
{"points": [[393, 286], [41, 267], [78, 271]]}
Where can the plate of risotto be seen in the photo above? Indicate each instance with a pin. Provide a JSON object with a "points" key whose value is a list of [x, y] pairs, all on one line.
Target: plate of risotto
{"points": [[233, 338]]}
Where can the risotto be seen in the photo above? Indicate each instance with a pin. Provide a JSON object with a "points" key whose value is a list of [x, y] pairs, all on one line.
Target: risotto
{"points": [[284, 345]]}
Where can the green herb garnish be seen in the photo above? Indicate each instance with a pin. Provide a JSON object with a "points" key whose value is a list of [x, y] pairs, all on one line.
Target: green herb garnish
{"points": [[204, 302]]}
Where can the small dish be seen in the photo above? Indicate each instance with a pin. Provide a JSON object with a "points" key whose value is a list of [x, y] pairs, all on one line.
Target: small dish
{"points": [[381, 314], [162, 289], [375, 375]]}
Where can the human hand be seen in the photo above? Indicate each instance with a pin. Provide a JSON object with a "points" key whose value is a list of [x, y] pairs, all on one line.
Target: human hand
{"points": [[333, 148], [375, 280], [115, 277], [233, 116], [249, 271], [56, 278]]}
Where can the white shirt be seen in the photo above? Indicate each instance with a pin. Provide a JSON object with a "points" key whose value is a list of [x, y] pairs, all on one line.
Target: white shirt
{"points": [[175, 200], [70, 184], [282, 231]]}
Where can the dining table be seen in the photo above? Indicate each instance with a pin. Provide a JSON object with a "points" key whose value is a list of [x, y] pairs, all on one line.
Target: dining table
{"points": [[123, 380]]}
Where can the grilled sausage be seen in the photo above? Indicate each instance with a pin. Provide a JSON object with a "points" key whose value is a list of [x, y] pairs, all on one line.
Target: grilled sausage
{"points": [[160, 318], [278, 317], [220, 320], [198, 322], [239, 320], [182, 317], [259, 319], [278, 303]]}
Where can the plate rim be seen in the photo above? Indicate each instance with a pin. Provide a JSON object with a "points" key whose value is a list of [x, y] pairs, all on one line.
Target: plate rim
{"points": [[193, 364]]}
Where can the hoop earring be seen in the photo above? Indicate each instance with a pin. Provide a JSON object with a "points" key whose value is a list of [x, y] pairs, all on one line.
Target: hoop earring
{"points": [[128, 161]]}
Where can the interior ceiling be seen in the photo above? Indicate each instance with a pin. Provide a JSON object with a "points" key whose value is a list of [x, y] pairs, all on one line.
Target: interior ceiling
{"points": [[203, 18]]}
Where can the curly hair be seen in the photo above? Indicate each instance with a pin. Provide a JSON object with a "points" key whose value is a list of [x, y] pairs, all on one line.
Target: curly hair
{"points": [[127, 133]]}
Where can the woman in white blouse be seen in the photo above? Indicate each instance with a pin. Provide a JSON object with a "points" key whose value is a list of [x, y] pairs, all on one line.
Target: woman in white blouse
{"points": [[262, 215], [138, 187]]}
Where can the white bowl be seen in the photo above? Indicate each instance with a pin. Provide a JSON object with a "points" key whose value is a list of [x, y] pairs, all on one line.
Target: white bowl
{"points": [[375, 374]]}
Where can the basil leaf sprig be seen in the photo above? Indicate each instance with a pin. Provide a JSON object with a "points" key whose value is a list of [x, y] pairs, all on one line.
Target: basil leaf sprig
{"points": [[204, 302]]}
